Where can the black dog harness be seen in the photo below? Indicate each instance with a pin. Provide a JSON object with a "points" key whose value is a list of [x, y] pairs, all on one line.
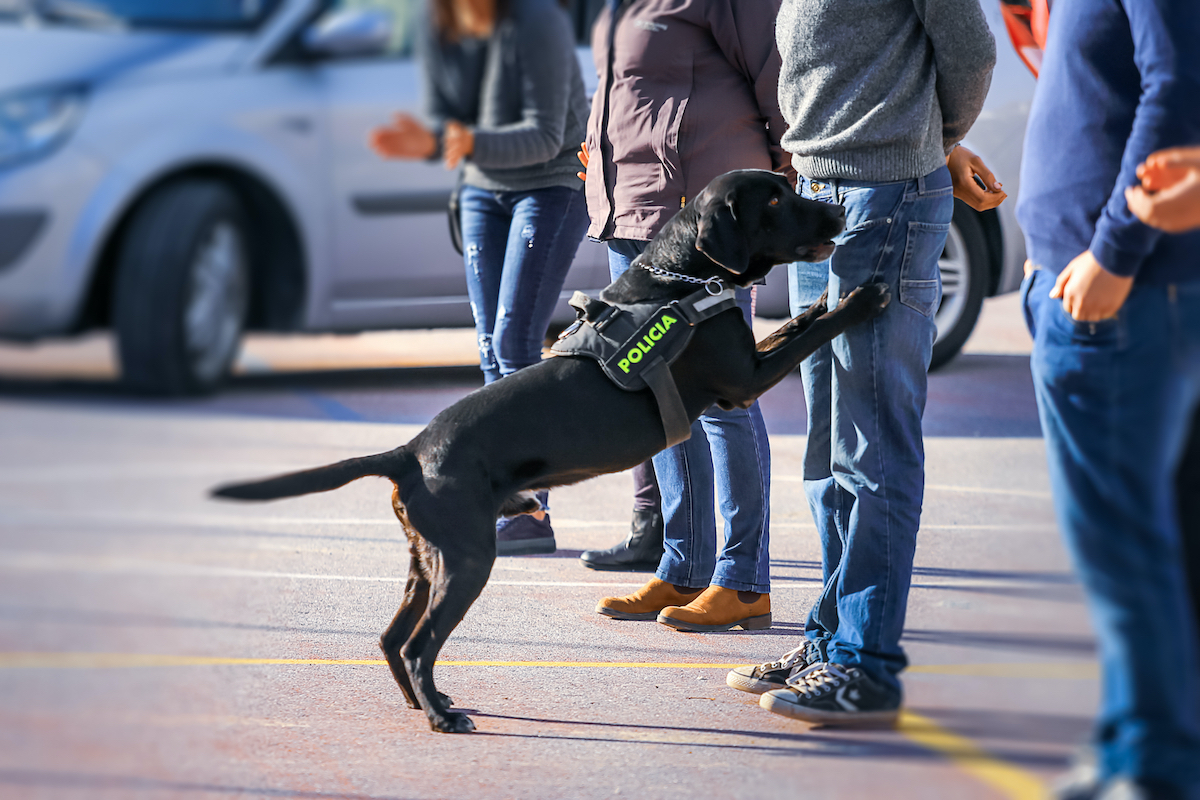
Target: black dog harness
{"points": [[636, 343]]}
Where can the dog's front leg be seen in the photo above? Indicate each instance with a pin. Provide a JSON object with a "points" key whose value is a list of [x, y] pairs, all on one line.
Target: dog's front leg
{"points": [[862, 304], [793, 327]]}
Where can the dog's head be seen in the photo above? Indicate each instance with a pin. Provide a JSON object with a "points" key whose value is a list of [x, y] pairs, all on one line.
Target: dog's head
{"points": [[750, 220]]}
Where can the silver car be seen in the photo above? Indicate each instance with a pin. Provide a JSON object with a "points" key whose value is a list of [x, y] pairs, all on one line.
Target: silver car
{"points": [[181, 171]]}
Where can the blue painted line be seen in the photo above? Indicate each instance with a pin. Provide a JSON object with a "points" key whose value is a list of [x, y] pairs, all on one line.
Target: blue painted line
{"points": [[332, 409]]}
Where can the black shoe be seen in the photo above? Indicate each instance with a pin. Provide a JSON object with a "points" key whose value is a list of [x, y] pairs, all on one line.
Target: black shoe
{"points": [[640, 552], [834, 694]]}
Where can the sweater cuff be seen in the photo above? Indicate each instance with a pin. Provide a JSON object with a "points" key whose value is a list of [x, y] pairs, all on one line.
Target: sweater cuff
{"points": [[1119, 262], [438, 147]]}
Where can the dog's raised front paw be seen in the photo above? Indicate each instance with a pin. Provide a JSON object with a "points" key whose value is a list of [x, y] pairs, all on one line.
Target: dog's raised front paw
{"points": [[870, 299], [451, 723]]}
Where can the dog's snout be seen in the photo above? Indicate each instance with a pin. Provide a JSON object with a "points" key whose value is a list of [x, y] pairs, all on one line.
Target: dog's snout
{"points": [[841, 212]]}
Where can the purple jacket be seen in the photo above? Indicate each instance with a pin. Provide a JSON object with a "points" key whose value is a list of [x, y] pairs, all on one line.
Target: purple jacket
{"points": [[687, 91]]}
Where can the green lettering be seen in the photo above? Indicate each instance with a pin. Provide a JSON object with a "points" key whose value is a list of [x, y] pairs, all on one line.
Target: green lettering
{"points": [[635, 356], [668, 321], [655, 333], [624, 365]]}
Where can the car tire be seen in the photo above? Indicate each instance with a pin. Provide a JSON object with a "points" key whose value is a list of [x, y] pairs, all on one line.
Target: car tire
{"points": [[965, 269], [181, 289]]}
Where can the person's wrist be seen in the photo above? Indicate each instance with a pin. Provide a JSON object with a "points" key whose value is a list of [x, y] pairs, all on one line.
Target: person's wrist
{"points": [[436, 153]]}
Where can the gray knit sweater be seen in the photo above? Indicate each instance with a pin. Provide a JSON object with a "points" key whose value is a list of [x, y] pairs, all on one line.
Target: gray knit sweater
{"points": [[521, 92], [880, 90]]}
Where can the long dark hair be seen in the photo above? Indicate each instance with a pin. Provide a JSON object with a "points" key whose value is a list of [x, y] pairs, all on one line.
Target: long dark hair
{"points": [[446, 22]]}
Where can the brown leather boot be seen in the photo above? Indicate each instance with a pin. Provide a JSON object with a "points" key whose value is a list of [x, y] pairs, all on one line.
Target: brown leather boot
{"points": [[647, 601], [720, 609]]}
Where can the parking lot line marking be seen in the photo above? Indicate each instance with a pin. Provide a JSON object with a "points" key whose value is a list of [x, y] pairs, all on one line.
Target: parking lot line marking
{"points": [[36, 561], [46, 660], [1013, 782]]}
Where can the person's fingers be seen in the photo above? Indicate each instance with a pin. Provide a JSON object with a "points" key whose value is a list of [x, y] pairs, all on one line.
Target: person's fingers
{"points": [[985, 174], [1139, 204], [1061, 282], [1175, 157]]}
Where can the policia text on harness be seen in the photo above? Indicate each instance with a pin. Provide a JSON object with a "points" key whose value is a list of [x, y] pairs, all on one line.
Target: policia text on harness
{"points": [[636, 343]]}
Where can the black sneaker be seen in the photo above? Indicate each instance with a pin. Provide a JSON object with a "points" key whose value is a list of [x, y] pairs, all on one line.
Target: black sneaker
{"points": [[524, 534], [834, 694], [773, 674]]}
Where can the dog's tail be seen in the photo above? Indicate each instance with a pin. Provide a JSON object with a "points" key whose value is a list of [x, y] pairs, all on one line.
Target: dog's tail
{"points": [[395, 465]]}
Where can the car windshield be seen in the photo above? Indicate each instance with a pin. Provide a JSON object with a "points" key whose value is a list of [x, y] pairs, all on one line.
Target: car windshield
{"points": [[186, 14]]}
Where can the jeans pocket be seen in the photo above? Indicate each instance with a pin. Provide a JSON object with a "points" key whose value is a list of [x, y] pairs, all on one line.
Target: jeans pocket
{"points": [[1026, 311], [920, 281]]}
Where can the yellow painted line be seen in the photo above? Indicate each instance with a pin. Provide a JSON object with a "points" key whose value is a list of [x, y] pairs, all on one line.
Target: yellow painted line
{"points": [[1067, 671], [1012, 782], [118, 660]]}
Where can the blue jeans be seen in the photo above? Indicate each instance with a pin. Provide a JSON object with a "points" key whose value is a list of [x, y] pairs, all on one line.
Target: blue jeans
{"points": [[518, 247], [864, 462], [1115, 399], [729, 455]]}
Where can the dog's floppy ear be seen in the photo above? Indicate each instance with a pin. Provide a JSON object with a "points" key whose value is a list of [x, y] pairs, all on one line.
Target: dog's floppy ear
{"points": [[720, 236]]}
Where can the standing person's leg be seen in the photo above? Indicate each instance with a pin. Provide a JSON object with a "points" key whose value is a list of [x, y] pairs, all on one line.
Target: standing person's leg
{"points": [[1187, 493], [729, 450], [485, 224], [547, 227], [679, 579], [806, 283], [895, 233], [545, 230], [642, 549], [1114, 398]]}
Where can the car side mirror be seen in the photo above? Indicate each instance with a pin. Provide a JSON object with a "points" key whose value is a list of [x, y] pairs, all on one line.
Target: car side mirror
{"points": [[358, 32]]}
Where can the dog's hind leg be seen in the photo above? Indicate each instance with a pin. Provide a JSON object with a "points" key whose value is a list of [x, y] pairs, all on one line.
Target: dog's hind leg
{"points": [[449, 601], [413, 607], [457, 549], [416, 600]]}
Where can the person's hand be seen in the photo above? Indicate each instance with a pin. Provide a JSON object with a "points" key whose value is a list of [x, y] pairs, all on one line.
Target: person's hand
{"points": [[1088, 291], [458, 143], [406, 137], [584, 157], [964, 167], [1169, 195]]}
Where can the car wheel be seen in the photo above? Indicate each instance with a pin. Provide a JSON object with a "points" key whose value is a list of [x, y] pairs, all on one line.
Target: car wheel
{"points": [[182, 289], [965, 271]]}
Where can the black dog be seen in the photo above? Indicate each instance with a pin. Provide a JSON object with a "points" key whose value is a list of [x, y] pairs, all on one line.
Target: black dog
{"points": [[562, 421]]}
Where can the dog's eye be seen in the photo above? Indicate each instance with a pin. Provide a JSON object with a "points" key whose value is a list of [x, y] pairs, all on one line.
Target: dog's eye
{"points": [[774, 201]]}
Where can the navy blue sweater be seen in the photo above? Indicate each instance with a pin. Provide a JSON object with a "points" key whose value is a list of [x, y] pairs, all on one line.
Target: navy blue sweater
{"points": [[1120, 79]]}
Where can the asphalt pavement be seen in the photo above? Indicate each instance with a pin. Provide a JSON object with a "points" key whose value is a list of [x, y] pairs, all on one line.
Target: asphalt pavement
{"points": [[158, 644]]}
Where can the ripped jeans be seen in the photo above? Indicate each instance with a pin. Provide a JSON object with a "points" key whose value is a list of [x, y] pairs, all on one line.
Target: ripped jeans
{"points": [[517, 247]]}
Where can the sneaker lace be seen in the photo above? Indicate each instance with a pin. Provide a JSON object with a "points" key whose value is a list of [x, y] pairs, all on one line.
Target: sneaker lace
{"points": [[818, 679], [787, 660]]}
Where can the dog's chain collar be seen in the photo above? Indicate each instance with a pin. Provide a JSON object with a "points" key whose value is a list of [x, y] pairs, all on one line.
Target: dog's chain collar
{"points": [[712, 285]]}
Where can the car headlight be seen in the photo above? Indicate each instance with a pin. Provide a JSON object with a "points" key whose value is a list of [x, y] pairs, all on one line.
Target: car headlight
{"points": [[33, 122]]}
